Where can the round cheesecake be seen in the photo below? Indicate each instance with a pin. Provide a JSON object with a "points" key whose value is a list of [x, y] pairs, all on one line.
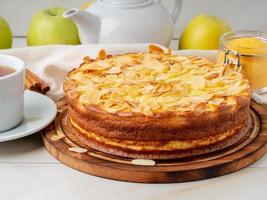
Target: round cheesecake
{"points": [[157, 105]]}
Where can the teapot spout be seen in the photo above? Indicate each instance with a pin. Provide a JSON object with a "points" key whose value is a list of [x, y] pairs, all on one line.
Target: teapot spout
{"points": [[88, 25]]}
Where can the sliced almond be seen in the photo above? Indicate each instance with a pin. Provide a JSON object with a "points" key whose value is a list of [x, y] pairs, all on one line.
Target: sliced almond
{"points": [[111, 110], [69, 85], [96, 66], [73, 94], [176, 67], [233, 90], [169, 51], [212, 76], [216, 101], [161, 77], [102, 54], [114, 70], [231, 101], [154, 105], [155, 49], [144, 162], [77, 149], [91, 96], [183, 103], [200, 98], [197, 82], [87, 59], [148, 89], [147, 111], [130, 74], [117, 108], [56, 137]]}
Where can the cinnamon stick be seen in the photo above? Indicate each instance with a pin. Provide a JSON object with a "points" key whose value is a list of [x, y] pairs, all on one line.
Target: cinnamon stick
{"points": [[34, 83], [31, 78], [28, 84]]}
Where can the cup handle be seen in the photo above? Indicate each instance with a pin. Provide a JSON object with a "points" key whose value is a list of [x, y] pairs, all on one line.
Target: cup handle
{"points": [[176, 10]]}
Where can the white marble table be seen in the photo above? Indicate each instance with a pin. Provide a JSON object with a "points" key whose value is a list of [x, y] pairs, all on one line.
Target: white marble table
{"points": [[28, 171]]}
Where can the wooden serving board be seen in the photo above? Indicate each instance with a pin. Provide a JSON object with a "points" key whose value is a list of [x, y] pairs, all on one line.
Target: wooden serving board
{"points": [[247, 151]]}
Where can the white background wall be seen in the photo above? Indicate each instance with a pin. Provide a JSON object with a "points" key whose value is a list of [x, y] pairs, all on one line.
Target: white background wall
{"points": [[241, 14]]}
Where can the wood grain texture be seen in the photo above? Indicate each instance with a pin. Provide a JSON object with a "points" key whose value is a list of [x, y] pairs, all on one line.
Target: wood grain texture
{"points": [[247, 151]]}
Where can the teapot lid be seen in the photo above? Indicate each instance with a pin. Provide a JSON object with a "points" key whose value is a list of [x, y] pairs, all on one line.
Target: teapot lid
{"points": [[124, 2]]}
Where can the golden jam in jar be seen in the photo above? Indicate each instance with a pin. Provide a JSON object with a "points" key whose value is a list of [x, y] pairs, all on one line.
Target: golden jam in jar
{"points": [[252, 47]]}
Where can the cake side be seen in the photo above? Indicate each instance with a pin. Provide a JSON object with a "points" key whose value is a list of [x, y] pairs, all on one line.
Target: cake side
{"points": [[194, 125], [158, 150]]}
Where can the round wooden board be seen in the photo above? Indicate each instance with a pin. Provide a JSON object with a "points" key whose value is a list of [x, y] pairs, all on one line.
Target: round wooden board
{"points": [[247, 151]]}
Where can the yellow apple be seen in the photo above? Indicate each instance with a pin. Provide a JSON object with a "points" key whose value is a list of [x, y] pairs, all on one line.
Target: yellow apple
{"points": [[5, 34], [203, 32]]}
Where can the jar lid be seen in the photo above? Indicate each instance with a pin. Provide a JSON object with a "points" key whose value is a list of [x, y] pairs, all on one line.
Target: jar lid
{"points": [[245, 42]]}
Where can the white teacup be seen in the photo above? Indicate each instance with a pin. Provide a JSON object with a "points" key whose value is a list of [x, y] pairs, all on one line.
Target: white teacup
{"points": [[11, 93]]}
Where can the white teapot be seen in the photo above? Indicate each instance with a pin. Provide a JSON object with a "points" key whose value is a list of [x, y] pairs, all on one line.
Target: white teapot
{"points": [[125, 21]]}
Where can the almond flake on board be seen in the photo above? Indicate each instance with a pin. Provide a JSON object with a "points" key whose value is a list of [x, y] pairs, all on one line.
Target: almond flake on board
{"points": [[56, 137], [77, 149], [145, 162]]}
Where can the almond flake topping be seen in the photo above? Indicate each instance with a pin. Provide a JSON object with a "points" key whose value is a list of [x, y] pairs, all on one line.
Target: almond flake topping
{"points": [[154, 82]]}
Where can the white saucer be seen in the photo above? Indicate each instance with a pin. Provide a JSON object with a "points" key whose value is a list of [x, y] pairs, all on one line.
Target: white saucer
{"points": [[39, 111]]}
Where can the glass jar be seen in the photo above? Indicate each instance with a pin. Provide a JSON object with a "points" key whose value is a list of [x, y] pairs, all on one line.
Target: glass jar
{"points": [[247, 50]]}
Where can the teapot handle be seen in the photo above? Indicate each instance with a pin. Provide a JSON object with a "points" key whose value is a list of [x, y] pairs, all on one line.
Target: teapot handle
{"points": [[176, 9]]}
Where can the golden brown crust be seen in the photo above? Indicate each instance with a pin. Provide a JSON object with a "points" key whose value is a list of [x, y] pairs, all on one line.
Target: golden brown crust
{"points": [[232, 139], [161, 128]]}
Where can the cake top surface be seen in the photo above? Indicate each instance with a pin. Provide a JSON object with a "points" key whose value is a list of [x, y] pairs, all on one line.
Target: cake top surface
{"points": [[153, 82]]}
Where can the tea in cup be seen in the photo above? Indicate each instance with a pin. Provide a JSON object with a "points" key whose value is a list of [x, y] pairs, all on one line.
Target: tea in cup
{"points": [[11, 92]]}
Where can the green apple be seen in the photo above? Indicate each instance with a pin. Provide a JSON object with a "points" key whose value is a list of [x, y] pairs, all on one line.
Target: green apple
{"points": [[203, 32], [5, 34], [49, 27]]}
